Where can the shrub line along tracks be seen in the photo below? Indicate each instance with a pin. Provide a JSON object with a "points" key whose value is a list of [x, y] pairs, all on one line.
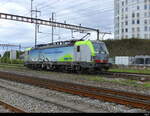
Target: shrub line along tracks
{"points": [[120, 97], [11, 107]]}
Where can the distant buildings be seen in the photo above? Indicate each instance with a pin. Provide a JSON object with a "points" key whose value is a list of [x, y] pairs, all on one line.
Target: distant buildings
{"points": [[132, 19]]}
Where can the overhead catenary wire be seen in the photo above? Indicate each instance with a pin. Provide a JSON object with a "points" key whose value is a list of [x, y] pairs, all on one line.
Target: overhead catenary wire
{"points": [[100, 9], [70, 6], [83, 16], [77, 5], [78, 9]]}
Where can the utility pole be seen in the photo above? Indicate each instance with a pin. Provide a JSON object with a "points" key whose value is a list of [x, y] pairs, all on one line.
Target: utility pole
{"points": [[31, 7], [72, 34], [98, 34], [36, 25], [52, 27], [104, 33], [19, 47]]}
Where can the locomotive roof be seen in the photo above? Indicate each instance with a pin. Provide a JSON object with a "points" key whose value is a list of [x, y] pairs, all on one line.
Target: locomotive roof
{"points": [[57, 44], [60, 44]]}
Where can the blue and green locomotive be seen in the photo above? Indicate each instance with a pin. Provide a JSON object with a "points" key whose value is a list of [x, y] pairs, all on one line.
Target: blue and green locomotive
{"points": [[81, 55]]}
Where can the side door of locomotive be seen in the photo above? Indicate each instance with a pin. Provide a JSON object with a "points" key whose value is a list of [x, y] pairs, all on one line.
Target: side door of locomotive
{"points": [[82, 53], [77, 53]]}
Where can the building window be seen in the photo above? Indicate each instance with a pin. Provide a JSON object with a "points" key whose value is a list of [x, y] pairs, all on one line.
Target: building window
{"points": [[133, 36], [133, 15], [145, 21], [145, 36], [123, 3], [126, 22], [133, 22], [138, 29], [126, 30], [138, 15], [126, 2], [138, 21], [138, 35], [138, 7], [145, 6], [145, 14], [145, 28], [133, 30], [122, 17]]}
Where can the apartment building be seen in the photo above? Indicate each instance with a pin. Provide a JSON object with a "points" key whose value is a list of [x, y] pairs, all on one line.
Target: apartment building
{"points": [[132, 19]]}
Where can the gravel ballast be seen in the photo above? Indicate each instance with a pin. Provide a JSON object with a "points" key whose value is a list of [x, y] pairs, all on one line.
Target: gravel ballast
{"points": [[29, 104], [33, 105], [80, 79]]}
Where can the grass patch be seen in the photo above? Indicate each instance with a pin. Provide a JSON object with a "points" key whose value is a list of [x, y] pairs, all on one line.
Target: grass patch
{"points": [[13, 66], [147, 85], [94, 78], [130, 71], [130, 82]]}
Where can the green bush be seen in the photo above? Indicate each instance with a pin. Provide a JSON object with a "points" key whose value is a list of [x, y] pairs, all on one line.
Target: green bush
{"points": [[6, 58], [8, 61], [17, 61]]}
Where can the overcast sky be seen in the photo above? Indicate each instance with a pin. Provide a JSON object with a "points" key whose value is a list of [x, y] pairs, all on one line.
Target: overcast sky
{"points": [[91, 13]]}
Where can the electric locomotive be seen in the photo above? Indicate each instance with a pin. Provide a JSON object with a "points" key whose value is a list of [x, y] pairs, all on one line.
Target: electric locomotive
{"points": [[74, 55]]}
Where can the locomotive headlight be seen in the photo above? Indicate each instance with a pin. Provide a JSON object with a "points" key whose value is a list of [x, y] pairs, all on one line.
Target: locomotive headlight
{"points": [[97, 52], [100, 52], [93, 57]]}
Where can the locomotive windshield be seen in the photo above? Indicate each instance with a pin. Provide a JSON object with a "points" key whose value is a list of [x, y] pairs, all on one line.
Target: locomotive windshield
{"points": [[100, 48]]}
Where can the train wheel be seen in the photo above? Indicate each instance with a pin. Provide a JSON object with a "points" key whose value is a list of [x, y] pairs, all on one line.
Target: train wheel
{"points": [[79, 70]]}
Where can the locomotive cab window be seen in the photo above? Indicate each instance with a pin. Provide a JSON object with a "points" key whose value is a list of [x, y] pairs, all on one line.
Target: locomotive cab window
{"points": [[78, 48], [100, 47]]}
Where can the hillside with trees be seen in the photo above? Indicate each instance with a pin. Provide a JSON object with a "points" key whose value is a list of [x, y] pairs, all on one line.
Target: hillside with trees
{"points": [[128, 47]]}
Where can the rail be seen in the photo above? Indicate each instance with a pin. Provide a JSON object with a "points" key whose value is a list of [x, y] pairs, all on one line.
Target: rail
{"points": [[110, 95], [126, 75], [11, 108]]}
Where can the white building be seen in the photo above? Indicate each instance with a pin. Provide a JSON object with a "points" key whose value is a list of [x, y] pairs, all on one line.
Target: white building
{"points": [[132, 19], [13, 54]]}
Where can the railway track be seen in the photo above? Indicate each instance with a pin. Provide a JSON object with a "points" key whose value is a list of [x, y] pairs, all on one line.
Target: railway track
{"points": [[11, 107], [110, 95], [34, 96], [133, 76]]}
